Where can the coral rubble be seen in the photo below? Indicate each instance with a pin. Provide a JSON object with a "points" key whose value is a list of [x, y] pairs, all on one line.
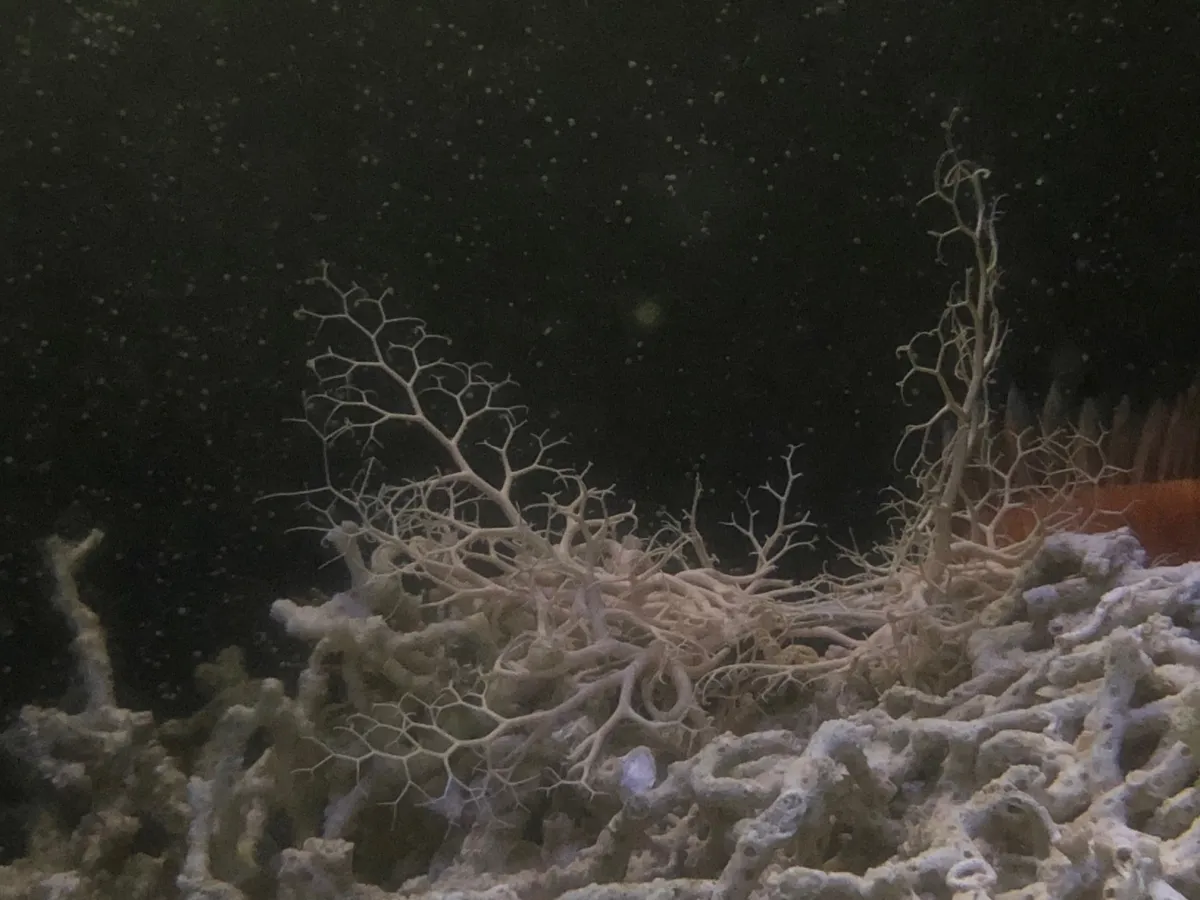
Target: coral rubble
{"points": [[1061, 766]]}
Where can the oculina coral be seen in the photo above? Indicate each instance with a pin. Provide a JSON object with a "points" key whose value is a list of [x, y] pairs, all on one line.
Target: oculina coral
{"points": [[1142, 472]]}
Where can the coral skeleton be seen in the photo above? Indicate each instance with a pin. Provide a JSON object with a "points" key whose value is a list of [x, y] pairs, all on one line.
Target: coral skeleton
{"points": [[523, 694], [1061, 766]]}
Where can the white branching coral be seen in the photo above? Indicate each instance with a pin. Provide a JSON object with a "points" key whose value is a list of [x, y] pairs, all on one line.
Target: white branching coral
{"points": [[1059, 768], [508, 624], [522, 625], [576, 704]]}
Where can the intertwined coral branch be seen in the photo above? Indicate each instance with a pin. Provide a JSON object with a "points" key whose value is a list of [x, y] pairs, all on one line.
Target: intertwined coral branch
{"points": [[984, 493], [521, 623]]}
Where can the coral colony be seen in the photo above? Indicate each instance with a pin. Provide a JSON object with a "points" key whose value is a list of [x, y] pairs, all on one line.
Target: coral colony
{"points": [[524, 694]]}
